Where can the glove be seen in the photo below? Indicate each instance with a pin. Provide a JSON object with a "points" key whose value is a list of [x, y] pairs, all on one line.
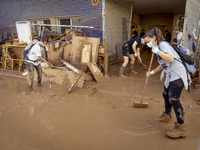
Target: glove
{"points": [[172, 43], [135, 55], [148, 74], [155, 50]]}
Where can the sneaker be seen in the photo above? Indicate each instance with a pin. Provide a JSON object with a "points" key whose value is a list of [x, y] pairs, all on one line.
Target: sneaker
{"points": [[165, 118], [178, 131]]}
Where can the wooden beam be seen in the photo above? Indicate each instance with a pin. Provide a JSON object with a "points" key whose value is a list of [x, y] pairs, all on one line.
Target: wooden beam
{"points": [[106, 60]]}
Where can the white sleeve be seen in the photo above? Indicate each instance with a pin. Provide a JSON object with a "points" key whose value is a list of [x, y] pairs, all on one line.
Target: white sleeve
{"points": [[179, 36], [164, 47], [46, 48]]}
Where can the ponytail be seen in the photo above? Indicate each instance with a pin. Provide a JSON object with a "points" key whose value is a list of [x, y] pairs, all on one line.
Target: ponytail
{"points": [[157, 33]]}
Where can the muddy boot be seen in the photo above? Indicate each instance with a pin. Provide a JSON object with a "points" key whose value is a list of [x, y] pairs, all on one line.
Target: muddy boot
{"points": [[121, 71], [178, 131], [132, 70], [39, 84], [30, 90], [165, 118]]}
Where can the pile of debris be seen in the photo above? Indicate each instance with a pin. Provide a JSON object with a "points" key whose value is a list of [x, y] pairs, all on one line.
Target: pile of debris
{"points": [[75, 59]]}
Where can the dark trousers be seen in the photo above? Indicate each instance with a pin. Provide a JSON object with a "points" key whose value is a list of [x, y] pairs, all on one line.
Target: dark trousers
{"points": [[31, 73], [172, 99]]}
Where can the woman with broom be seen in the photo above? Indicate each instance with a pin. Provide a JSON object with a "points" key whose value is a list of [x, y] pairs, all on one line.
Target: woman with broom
{"points": [[175, 79]]}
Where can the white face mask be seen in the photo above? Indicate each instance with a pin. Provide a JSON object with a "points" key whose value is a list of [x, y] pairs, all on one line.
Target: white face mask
{"points": [[133, 30], [150, 44]]}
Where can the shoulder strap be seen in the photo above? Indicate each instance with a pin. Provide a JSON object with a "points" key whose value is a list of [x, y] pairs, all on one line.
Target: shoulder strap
{"points": [[180, 62]]}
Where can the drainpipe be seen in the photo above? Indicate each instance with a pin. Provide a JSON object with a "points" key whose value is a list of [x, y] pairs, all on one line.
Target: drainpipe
{"points": [[103, 19]]}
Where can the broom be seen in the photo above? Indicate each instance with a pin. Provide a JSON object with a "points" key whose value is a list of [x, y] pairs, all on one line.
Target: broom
{"points": [[50, 64], [144, 104]]}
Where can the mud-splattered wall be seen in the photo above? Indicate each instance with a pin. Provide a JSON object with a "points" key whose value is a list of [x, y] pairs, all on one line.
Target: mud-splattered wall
{"points": [[21, 10], [191, 22], [116, 24]]}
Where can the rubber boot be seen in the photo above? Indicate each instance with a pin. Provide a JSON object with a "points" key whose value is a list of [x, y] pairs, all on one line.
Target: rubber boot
{"points": [[131, 69], [121, 71], [165, 118], [178, 131]]}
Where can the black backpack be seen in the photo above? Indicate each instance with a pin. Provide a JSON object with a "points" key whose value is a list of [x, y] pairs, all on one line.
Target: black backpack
{"points": [[184, 57]]}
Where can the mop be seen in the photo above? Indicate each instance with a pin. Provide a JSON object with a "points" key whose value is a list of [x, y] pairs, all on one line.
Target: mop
{"points": [[144, 104]]}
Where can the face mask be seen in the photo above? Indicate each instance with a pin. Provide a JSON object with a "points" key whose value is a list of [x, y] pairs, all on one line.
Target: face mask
{"points": [[143, 42], [133, 30], [150, 44]]}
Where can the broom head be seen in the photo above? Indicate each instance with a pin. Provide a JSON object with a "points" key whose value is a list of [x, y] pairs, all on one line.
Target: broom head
{"points": [[140, 105]]}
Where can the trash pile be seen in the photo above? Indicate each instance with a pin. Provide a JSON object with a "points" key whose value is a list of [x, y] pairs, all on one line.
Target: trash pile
{"points": [[75, 59]]}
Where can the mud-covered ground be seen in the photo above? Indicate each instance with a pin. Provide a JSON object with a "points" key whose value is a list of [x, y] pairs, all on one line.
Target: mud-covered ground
{"points": [[85, 120]]}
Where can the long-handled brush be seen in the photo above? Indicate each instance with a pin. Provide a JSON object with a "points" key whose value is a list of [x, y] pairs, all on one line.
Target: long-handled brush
{"points": [[144, 104]]}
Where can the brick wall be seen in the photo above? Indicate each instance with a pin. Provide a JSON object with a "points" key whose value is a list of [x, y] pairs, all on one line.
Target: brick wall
{"points": [[116, 24], [21, 10]]}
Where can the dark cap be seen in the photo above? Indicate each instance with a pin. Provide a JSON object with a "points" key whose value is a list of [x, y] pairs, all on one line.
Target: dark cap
{"points": [[44, 38]]}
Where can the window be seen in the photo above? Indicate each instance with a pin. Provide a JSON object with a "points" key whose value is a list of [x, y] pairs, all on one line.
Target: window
{"points": [[47, 22], [73, 21], [70, 20]]}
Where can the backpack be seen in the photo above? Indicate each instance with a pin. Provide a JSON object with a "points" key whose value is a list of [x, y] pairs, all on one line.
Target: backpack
{"points": [[27, 50], [186, 60]]}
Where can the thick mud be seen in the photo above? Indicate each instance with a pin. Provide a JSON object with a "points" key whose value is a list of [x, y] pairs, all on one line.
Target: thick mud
{"points": [[90, 118]]}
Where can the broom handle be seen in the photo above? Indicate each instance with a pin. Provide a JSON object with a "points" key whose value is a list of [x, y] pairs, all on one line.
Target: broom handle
{"points": [[50, 64], [147, 77]]}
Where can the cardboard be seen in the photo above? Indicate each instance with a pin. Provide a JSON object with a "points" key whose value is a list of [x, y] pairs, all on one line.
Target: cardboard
{"points": [[77, 45], [60, 77]]}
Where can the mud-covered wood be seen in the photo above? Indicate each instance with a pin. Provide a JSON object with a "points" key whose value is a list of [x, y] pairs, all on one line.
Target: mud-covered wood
{"points": [[96, 72]]}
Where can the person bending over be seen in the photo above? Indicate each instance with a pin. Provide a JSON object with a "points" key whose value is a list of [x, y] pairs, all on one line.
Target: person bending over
{"points": [[131, 49]]}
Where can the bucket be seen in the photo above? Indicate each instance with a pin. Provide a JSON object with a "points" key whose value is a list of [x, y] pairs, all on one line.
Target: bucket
{"points": [[24, 32]]}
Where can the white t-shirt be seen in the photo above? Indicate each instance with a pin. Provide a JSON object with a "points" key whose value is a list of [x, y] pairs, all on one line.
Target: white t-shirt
{"points": [[179, 37], [36, 50], [34, 53]]}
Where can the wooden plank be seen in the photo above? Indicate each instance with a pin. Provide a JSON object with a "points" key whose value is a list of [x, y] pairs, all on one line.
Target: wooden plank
{"points": [[106, 60], [96, 72], [77, 45]]}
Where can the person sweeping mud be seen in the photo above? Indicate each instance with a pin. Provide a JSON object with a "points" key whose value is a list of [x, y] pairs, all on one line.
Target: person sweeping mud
{"points": [[131, 49], [175, 80], [33, 60]]}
